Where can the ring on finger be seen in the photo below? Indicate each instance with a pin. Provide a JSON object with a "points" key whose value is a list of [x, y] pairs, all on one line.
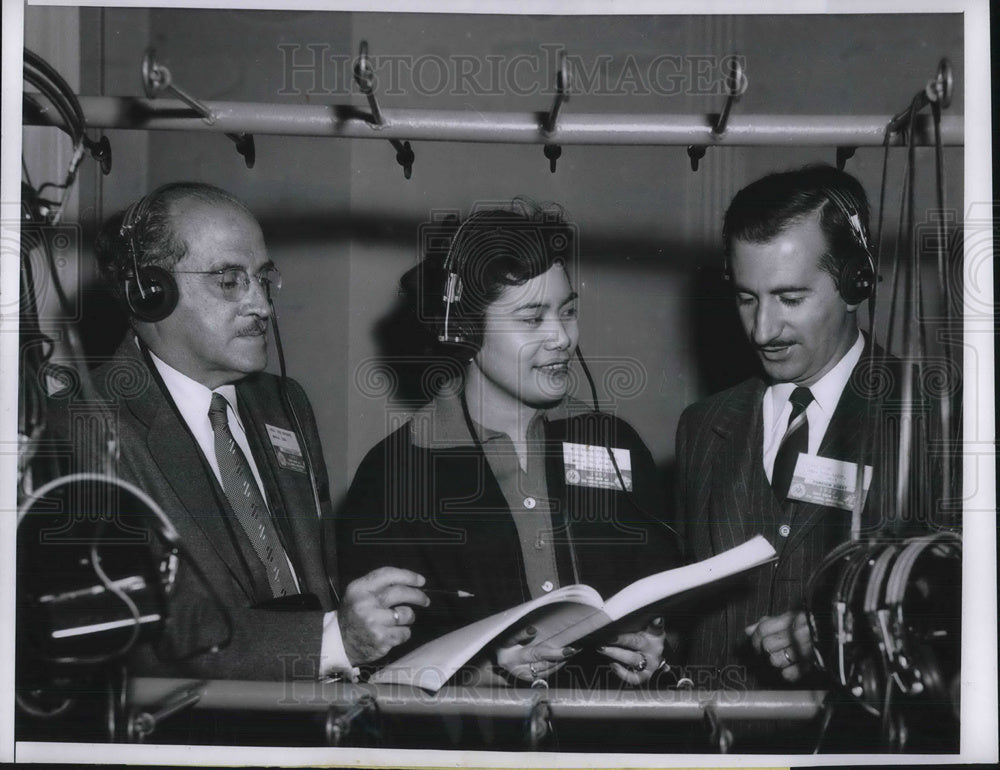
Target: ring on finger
{"points": [[787, 655], [395, 616], [642, 664], [531, 670]]}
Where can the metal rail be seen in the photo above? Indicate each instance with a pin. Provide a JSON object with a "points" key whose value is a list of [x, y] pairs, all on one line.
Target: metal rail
{"points": [[307, 696], [499, 127]]}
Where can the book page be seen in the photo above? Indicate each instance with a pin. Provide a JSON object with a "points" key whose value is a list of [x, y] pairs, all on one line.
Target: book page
{"points": [[672, 582], [434, 663], [559, 628]]}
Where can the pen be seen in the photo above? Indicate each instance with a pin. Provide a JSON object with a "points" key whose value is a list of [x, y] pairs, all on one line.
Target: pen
{"points": [[448, 592]]}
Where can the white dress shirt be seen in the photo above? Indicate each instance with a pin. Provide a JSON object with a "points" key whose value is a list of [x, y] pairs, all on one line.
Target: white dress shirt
{"points": [[826, 393], [193, 400]]}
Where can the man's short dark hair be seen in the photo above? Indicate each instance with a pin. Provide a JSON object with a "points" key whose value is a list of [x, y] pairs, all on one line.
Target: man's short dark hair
{"points": [[154, 234], [767, 207]]}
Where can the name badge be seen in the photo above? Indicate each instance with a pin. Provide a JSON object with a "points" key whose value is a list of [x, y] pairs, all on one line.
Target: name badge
{"points": [[590, 466], [823, 481], [286, 447]]}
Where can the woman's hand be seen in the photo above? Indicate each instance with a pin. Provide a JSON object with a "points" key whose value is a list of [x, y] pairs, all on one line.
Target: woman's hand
{"points": [[519, 659], [637, 655]]}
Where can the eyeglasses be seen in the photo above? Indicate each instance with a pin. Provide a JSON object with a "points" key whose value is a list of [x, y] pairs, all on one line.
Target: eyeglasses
{"points": [[234, 282]]}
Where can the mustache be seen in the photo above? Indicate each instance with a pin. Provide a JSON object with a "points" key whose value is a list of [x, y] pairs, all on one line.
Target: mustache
{"points": [[775, 344], [254, 328]]}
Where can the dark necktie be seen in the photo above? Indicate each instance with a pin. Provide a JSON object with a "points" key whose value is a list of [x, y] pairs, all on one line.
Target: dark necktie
{"points": [[244, 496], [794, 442]]}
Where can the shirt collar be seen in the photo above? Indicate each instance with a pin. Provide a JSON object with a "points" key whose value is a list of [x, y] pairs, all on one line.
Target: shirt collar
{"points": [[440, 424], [827, 390], [191, 397]]}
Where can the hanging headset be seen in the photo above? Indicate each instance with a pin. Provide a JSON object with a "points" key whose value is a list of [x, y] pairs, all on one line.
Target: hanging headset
{"points": [[856, 281], [150, 291]]}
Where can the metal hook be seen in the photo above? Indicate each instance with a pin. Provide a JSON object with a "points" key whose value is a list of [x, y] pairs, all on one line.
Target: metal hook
{"points": [[143, 723], [156, 78], [339, 722], [844, 154], [553, 151], [539, 722], [364, 76], [734, 82], [939, 89], [719, 734]]}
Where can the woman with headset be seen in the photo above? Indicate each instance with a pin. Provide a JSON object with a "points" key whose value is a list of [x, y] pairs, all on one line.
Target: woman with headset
{"points": [[503, 487]]}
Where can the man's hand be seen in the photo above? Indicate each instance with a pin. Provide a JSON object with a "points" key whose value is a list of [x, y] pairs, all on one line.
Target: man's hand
{"points": [[374, 616], [519, 658], [786, 642], [637, 655]]}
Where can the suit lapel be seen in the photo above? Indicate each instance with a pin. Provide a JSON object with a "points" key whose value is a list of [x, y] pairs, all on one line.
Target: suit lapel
{"points": [[735, 428], [181, 465]]}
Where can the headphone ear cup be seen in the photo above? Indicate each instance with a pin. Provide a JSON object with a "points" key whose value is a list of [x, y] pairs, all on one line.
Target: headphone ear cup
{"points": [[151, 295], [857, 280]]}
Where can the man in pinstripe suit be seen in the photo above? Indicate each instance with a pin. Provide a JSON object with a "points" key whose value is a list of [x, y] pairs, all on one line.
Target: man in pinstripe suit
{"points": [[796, 251]]}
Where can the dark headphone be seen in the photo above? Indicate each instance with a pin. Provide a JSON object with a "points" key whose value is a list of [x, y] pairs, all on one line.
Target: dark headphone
{"points": [[452, 329], [856, 281], [149, 292], [454, 326]]}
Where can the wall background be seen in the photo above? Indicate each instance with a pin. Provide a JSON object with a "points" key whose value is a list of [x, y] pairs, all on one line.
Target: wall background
{"points": [[342, 223]]}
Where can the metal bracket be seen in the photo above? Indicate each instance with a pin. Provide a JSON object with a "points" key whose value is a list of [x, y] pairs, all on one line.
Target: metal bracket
{"points": [[844, 154], [734, 82], [340, 721], [938, 90], [156, 78], [719, 735], [364, 76], [538, 725], [142, 724], [553, 151]]}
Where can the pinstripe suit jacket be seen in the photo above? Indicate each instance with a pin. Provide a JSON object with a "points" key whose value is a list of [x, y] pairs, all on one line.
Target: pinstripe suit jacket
{"points": [[724, 498]]}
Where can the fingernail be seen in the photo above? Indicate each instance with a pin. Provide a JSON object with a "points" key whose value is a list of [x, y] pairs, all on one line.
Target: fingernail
{"points": [[658, 622], [531, 630], [601, 649], [567, 651]]}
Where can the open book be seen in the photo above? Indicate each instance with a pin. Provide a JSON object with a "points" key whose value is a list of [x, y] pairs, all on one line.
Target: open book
{"points": [[567, 615]]}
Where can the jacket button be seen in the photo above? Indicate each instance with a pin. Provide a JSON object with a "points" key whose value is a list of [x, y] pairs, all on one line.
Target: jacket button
{"points": [[784, 530], [529, 503], [547, 586]]}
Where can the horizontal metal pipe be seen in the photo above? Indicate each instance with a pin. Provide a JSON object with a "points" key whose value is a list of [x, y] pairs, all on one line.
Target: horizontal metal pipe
{"points": [[502, 127], [306, 696]]}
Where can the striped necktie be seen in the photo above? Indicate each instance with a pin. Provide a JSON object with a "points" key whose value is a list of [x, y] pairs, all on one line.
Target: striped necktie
{"points": [[247, 502], [793, 443]]}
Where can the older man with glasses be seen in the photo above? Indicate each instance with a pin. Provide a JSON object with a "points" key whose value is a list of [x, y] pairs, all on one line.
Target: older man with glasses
{"points": [[230, 453]]}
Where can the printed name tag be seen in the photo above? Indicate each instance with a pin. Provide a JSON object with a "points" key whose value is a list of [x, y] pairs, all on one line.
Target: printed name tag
{"points": [[824, 481], [590, 466], [286, 447]]}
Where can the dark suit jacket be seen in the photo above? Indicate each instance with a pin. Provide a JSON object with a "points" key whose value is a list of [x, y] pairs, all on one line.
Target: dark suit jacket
{"points": [[159, 455], [440, 511], [724, 499]]}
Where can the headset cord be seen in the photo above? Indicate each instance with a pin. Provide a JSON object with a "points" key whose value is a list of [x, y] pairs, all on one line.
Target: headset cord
{"points": [[297, 425], [629, 494]]}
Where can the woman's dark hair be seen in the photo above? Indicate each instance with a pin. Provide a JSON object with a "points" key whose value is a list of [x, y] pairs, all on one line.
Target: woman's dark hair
{"points": [[490, 251]]}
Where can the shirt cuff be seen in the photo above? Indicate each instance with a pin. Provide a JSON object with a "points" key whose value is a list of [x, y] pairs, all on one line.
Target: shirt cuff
{"points": [[333, 660]]}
